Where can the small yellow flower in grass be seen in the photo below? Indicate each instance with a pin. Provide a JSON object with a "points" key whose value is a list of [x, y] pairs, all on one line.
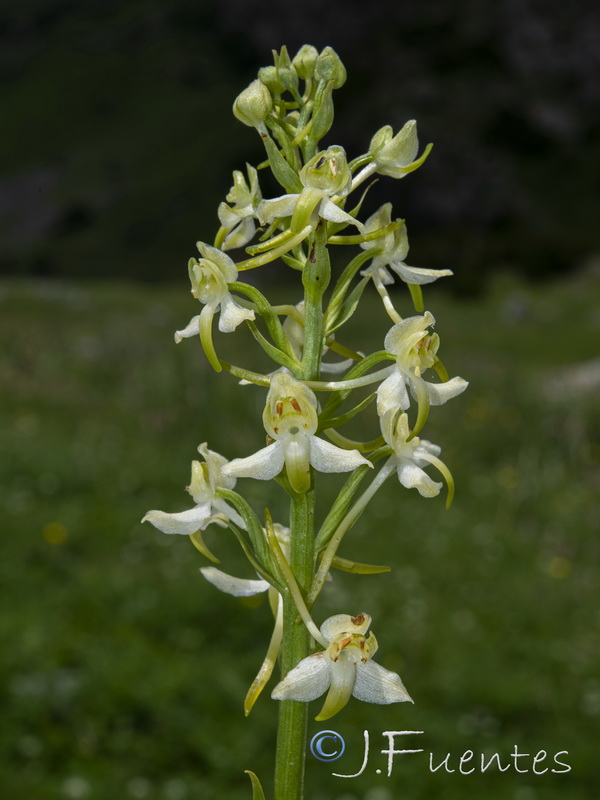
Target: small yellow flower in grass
{"points": [[290, 419], [343, 670]]}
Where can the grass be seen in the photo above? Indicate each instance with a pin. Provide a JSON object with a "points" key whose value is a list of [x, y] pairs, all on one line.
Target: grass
{"points": [[123, 672]]}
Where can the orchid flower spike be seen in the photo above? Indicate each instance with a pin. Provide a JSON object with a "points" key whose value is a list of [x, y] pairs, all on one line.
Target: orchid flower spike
{"points": [[325, 177], [237, 219], [411, 456], [343, 670], [207, 477], [290, 419], [416, 351], [209, 277], [394, 249]]}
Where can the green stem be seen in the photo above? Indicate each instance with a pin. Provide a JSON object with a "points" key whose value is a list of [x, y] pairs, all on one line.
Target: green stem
{"points": [[296, 643], [293, 716]]}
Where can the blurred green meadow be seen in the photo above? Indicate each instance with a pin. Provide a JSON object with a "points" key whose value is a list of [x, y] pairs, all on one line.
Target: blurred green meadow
{"points": [[123, 672]]}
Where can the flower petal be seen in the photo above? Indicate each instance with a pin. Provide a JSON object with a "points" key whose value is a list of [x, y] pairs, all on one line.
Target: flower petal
{"points": [[191, 329], [344, 623], [240, 235], [418, 275], [238, 587], [263, 465], [413, 477], [332, 213], [375, 684], [326, 457], [232, 314], [439, 393], [392, 394], [397, 338], [282, 206], [309, 680], [182, 522]]}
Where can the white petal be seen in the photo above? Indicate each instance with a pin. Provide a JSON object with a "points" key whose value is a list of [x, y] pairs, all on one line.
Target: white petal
{"points": [[397, 337], [418, 275], [229, 512], [439, 393], [392, 394], [183, 522], [240, 235], [227, 216], [191, 329], [375, 684], [329, 211], [263, 465], [282, 206], [326, 457], [232, 314], [238, 587], [413, 477], [344, 623], [309, 680]]}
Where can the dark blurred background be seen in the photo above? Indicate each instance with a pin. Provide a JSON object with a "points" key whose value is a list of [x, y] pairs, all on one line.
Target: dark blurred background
{"points": [[118, 142]]}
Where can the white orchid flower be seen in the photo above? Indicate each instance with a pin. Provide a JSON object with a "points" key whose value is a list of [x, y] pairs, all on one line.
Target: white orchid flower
{"points": [[343, 670], [396, 156], [290, 419], [415, 350], [410, 457], [324, 177], [209, 277], [237, 219], [207, 477], [394, 247]]}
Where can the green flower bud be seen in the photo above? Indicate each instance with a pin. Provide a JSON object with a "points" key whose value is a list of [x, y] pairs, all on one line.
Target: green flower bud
{"points": [[305, 61], [396, 156], [329, 67], [328, 171], [253, 105]]}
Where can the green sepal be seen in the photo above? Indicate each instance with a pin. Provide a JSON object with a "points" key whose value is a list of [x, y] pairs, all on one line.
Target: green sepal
{"points": [[274, 353], [441, 370], [417, 297], [342, 286], [254, 528], [197, 540], [245, 374], [265, 309], [257, 790], [342, 419], [280, 168], [342, 503], [357, 568], [370, 237]]}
